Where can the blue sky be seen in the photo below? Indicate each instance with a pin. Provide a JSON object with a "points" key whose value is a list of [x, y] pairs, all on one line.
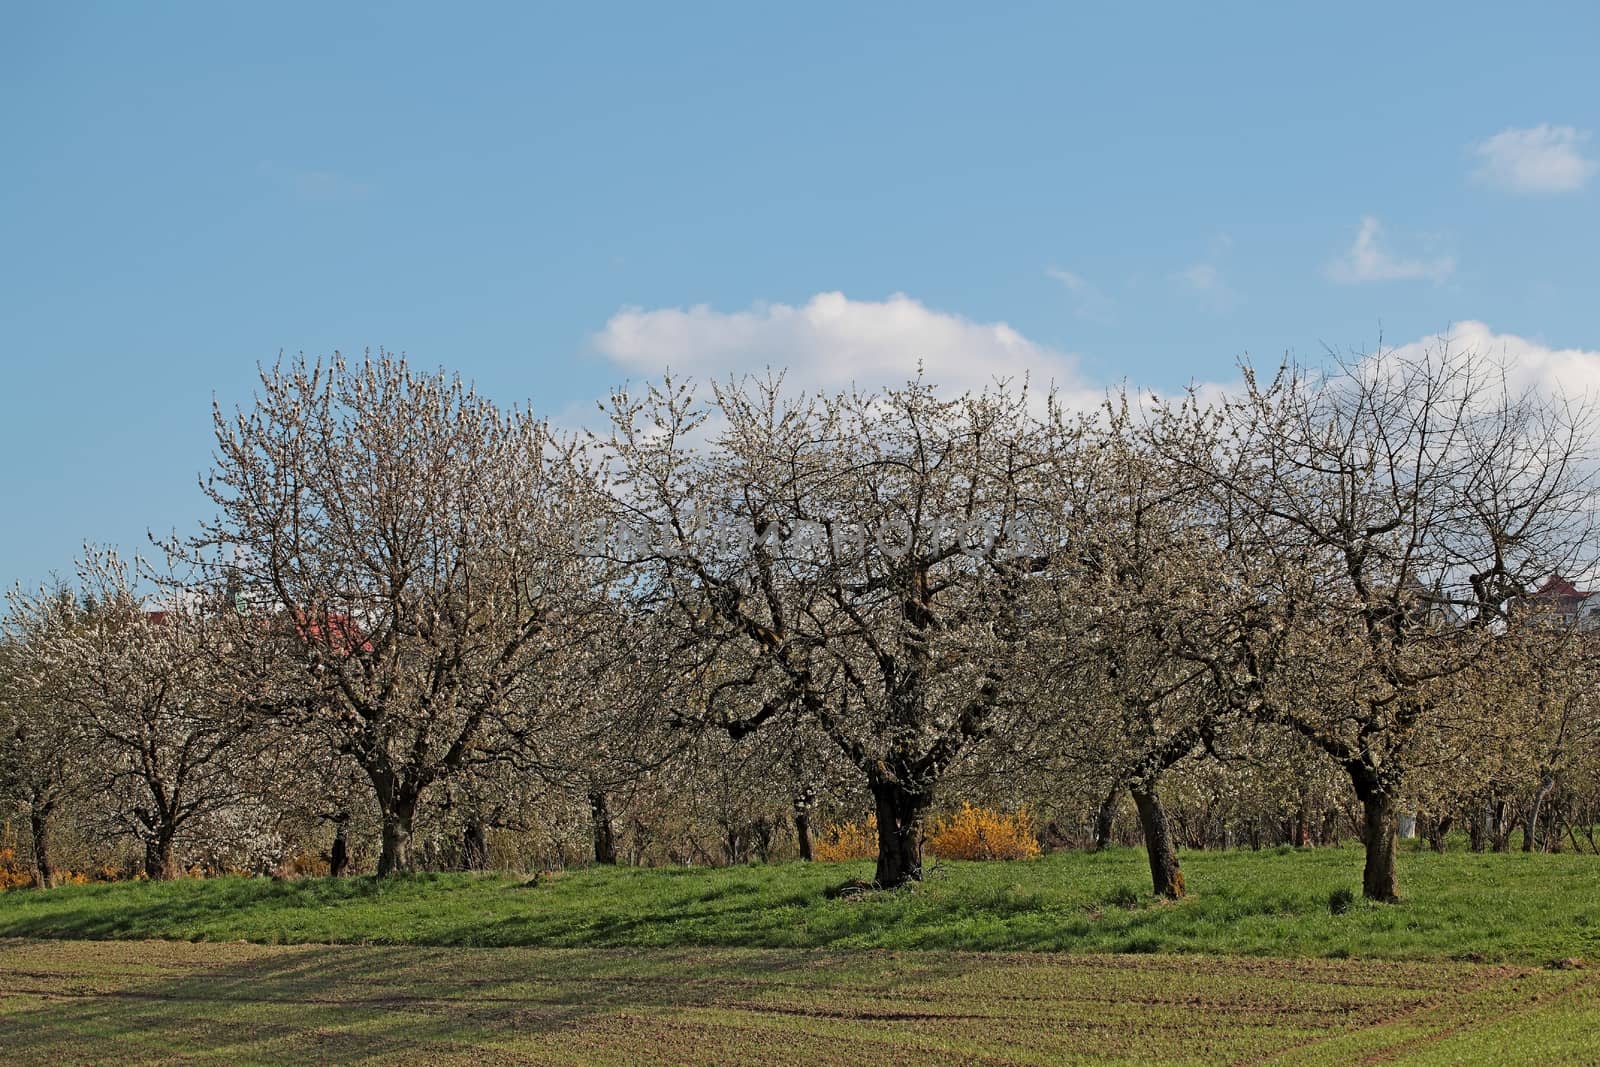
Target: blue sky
{"points": [[541, 199]]}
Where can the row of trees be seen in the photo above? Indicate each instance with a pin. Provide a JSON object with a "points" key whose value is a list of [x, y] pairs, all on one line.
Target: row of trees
{"points": [[746, 606]]}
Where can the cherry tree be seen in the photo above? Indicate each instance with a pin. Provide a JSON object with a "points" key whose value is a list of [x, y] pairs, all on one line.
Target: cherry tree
{"points": [[161, 689], [854, 560], [45, 752], [411, 543], [1381, 519]]}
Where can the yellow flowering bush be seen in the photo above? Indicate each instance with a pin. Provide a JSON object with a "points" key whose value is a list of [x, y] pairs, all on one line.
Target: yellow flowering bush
{"points": [[12, 873], [847, 841], [972, 833], [981, 834]]}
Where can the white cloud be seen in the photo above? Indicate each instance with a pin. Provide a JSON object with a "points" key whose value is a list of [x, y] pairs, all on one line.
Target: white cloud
{"points": [[1088, 301], [1541, 159], [1529, 364], [832, 342], [1368, 261]]}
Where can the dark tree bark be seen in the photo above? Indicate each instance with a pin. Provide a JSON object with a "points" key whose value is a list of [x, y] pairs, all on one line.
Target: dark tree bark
{"points": [[732, 846], [1165, 875], [900, 812], [160, 863], [394, 853], [39, 825], [159, 828], [1302, 826], [1379, 833], [1439, 832], [605, 842], [1502, 827], [339, 854], [398, 811], [802, 828], [475, 847], [1105, 818], [762, 838], [398, 797], [1330, 828]]}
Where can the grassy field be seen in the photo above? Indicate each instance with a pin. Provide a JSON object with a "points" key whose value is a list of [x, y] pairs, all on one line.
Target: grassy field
{"points": [[1460, 906], [144, 1002], [1486, 961]]}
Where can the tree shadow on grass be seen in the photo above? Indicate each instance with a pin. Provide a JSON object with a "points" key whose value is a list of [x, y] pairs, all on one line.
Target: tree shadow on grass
{"points": [[176, 909], [161, 1001], [345, 1004], [336, 1004]]}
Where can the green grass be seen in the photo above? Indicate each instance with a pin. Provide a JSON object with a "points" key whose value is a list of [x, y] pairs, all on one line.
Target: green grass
{"points": [[757, 965], [158, 1002], [1460, 906]]}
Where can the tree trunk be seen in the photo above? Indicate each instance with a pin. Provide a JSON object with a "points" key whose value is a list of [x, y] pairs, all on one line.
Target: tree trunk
{"points": [[802, 829], [39, 824], [605, 842], [1530, 826], [900, 812], [1439, 832], [762, 844], [1478, 827], [475, 847], [1330, 828], [394, 855], [1502, 827], [339, 854], [1302, 826], [398, 798], [1165, 875], [1379, 831], [160, 864], [1105, 818]]}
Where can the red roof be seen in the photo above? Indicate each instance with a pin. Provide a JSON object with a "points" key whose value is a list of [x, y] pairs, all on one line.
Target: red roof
{"points": [[1557, 586], [343, 635]]}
